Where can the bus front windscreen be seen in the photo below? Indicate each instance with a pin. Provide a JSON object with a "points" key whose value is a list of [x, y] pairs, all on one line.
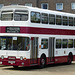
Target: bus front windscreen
{"points": [[21, 15], [14, 43], [7, 15]]}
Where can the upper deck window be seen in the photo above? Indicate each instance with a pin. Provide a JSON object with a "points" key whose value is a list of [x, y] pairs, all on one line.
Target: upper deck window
{"points": [[35, 17], [21, 15], [44, 18], [58, 19], [70, 21], [7, 15], [65, 20], [51, 19], [74, 21]]}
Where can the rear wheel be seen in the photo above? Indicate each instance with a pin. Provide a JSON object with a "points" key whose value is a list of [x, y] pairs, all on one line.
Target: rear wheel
{"points": [[42, 61], [70, 57]]}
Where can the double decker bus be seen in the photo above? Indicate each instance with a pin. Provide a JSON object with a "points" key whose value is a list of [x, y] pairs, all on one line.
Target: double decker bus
{"points": [[31, 36]]}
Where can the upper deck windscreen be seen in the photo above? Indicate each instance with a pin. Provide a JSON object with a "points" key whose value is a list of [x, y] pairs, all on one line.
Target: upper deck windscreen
{"points": [[17, 15], [21, 15], [7, 15]]}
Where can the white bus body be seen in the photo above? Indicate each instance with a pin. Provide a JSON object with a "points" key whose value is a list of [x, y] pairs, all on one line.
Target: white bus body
{"points": [[41, 36]]}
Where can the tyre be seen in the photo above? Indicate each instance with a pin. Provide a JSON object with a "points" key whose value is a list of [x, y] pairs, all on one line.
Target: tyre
{"points": [[70, 59], [42, 61]]}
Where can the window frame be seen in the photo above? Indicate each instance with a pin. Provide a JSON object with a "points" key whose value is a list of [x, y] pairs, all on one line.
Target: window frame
{"points": [[28, 4], [42, 5], [72, 6], [57, 6]]}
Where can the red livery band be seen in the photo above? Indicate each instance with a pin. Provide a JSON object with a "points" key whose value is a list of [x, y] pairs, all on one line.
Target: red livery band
{"points": [[36, 30]]}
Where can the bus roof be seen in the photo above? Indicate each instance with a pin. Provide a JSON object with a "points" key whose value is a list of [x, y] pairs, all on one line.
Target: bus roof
{"points": [[21, 7]]}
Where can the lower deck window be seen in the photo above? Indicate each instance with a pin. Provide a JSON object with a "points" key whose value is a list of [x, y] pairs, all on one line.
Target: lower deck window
{"points": [[70, 43], [58, 43], [44, 43], [14, 43], [64, 43]]}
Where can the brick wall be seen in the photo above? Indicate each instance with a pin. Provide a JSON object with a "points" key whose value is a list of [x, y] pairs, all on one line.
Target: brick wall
{"points": [[37, 3]]}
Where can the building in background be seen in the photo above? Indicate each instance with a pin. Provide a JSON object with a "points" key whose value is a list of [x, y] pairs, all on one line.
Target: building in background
{"points": [[59, 5]]}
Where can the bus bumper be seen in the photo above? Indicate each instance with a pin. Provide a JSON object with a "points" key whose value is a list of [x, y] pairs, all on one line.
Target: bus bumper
{"points": [[16, 62]]}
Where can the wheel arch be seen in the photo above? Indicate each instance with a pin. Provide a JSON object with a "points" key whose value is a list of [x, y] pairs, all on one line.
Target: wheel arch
{"points": [[71, 54]]}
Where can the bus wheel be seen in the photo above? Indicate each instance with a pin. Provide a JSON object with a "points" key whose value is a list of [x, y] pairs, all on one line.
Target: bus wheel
{"points": [[69, 59], [15, 66], [42, 61]]}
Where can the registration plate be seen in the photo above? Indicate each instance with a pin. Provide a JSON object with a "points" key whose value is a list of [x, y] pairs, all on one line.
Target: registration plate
{"points": [[11, 62]]}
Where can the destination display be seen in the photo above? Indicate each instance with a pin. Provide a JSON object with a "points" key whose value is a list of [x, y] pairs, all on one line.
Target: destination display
{"points": [[13, 29]]}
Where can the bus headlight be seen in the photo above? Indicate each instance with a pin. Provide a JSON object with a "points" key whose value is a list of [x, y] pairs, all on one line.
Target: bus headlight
{"points": [[21, 58], [2, 57]]}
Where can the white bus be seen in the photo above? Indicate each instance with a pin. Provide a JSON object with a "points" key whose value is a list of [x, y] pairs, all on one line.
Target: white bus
{"points": [[32, 36]]}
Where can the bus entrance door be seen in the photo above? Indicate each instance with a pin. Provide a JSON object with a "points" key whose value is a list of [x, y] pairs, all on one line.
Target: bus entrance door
{"points": [[34, 50], [51, 50]]}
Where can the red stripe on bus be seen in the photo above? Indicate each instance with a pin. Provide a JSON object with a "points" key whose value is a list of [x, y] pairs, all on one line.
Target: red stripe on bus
{"points": [[36, 30]]}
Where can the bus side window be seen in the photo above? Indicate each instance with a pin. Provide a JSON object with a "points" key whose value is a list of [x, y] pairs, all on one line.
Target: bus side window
{"points": [[65, 20], [70, 43], [35, 17], [70, 21], [52, 19], [74, 22], [44, 43], [74, 43], [58, 20], [44, 18], [58, 43], [64, 43]]}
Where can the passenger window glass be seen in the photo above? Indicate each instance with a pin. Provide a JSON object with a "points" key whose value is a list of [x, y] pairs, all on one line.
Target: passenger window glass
{"points": [[65, 20], [74, 43], [64, 43], [14, 43], [70, 21], [44, 43], [35, 17], [74, 21], [21, 15], [2, 43], [7, 15], [70, 43], [51, 19], [58, 19], [44, 18], [58, 43], [9, 43]]}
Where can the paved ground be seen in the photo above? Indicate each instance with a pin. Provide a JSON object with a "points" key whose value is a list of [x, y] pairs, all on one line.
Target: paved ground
{"points": [[61, 69]]}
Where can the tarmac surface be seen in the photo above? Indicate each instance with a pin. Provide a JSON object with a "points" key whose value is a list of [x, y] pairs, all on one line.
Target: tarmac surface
{"points": [[58, 69]]}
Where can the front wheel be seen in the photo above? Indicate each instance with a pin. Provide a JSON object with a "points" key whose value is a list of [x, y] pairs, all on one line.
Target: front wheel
{"points": [[42, 62]]}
